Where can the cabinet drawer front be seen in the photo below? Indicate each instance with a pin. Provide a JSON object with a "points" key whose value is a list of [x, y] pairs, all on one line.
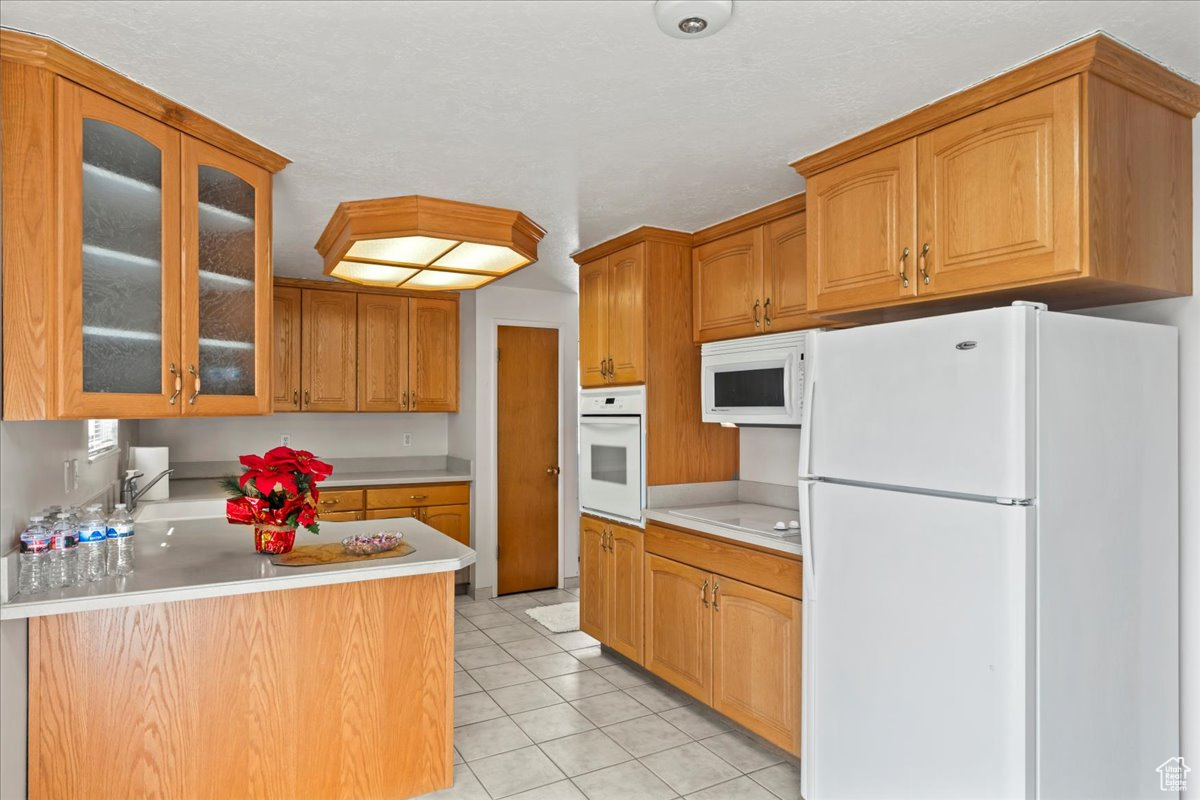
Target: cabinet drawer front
{"points": [[340, 500], [341, 516], [391, 513], [434, 494], [775, 572]]}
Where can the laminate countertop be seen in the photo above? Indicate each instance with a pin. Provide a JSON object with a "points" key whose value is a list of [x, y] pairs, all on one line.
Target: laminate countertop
{"points": [[686, 518], [188, 559]]}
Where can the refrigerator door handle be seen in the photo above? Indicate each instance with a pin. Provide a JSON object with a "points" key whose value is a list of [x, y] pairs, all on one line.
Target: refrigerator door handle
{"points": [[806, 540], [810, 393]]}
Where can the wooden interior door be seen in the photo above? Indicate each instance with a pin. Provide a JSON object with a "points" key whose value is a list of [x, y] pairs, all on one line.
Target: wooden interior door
{"points": [[226, 284], [382, 353], [727, 286], [756, 660], [119, 234], [593, 323], [527, 468], [285, 349], [785, 274], [328, 368], [432, 354], [862, 230], [625, 591], [454, 521], [677, 645], [593, 572], [999, 193], [627, 315]]}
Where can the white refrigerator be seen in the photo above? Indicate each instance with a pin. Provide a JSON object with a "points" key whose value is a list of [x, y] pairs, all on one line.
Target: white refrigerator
{"points": [[989, 504]]}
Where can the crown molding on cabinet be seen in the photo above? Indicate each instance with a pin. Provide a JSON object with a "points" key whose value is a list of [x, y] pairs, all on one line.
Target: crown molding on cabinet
{"points": [[751, 219], [645, 233], [1098, 55], [42, 53]]}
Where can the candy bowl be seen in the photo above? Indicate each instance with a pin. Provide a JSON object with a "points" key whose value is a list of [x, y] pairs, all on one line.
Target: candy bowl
{"points": [[370, 544]]}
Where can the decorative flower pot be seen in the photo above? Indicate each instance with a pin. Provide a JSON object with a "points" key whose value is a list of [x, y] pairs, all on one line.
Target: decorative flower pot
{"points": [[274, 539]]}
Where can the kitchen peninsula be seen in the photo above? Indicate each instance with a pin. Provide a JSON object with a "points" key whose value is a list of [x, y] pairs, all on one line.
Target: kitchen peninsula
{"points": [[211, 666]]}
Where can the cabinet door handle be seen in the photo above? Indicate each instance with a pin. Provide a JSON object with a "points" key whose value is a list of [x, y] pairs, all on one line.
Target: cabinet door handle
{"points": [[604, 369], [178, 383], [295, 397], [767, 312], [306, 397], [704, 593], [716, 598], [611, 372], [921, 263], [757, 322], [196, 375], [903, 276]]}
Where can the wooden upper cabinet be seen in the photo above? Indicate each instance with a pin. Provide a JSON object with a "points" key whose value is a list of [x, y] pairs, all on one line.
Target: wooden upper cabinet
{"points": [[593, 323], [627, 315], [756, 660], [593, 573], [136, 247], [677, 631], [433, 355], [785, 274], [226, 287], [382, 353], [862, 230], [727, 286], [624, 590], [998, 194], [119, 303], [285, 349], [329, 363]]}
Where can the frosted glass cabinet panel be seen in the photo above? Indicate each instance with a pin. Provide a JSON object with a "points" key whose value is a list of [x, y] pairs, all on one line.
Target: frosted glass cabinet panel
{"points": [[120, 315], [226, 282]]}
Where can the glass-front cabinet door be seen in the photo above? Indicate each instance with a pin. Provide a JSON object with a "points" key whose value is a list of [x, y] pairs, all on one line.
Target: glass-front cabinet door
{"points": [[226, 286], [119, 177]]}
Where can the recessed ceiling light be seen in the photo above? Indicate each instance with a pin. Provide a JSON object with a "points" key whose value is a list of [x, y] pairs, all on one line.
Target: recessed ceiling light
{"points": [[692, 19]]}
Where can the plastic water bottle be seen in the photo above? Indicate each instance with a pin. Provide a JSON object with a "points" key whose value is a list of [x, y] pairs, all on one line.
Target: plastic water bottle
{"points": [[120, 541], [35, 555], [64, 556], [93, 545]]}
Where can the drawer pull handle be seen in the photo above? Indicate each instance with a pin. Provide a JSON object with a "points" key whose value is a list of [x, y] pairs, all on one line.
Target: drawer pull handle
{"points": [[417, 497], [329, 502]]}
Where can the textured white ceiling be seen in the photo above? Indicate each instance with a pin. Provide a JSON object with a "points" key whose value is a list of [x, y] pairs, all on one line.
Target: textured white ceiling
{"points": [[581, 114]]}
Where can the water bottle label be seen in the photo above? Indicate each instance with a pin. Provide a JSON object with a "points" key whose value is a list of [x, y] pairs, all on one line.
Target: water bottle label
{"points": [[91, 535], [63, 540], [35, 544], [120, 532]]}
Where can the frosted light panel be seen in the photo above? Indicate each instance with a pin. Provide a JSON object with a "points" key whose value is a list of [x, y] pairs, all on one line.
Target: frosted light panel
{"points": [[122, 261], [435, 279], [482, 258], [372, 274], [418, 250], [227, 274]]}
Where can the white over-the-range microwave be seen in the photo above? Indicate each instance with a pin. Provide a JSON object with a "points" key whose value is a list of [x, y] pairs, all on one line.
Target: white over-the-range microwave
{"points": [[756, 381]]}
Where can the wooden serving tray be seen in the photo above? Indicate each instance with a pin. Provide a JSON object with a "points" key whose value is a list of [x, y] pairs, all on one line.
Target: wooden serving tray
{"points": [[311, 555]]}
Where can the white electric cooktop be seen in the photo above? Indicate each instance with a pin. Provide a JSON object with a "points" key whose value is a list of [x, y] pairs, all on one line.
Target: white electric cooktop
{"points": [[766, 520]]}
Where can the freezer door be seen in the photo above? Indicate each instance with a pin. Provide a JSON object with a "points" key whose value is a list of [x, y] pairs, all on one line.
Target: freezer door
{"points": [[942, 404], [918, 677]]}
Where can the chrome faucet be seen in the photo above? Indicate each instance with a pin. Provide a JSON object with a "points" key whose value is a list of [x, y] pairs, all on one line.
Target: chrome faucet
{"points": [[129, 488]]}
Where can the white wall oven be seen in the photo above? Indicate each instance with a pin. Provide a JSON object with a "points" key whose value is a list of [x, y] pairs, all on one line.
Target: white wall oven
{"points": [[756, 381], [612, 452]]}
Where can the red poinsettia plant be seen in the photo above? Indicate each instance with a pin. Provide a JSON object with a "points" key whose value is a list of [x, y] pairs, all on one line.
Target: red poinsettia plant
{"points": [[277, 488]]}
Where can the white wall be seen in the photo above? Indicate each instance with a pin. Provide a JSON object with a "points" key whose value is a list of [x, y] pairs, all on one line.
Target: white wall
{"points": [[327, 435], [501, 305], [769, 455], [1184, 314]]}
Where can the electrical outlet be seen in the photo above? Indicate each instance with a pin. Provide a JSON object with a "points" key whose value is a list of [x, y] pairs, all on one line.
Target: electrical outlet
{"points": [[285, 439], [408, 440]]}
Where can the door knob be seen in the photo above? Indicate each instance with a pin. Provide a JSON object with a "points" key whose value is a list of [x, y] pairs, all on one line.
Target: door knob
{"points": [[553, 470]]}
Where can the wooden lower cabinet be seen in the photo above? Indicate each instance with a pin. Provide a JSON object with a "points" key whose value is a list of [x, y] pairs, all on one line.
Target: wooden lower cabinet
{"points": [[445, 507], [610, 585], [678, 626], [341, 516], [454, 521], [756, 660]]}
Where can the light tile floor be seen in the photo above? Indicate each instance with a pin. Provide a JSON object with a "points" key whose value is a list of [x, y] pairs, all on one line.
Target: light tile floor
{"points": [[542, 716]]}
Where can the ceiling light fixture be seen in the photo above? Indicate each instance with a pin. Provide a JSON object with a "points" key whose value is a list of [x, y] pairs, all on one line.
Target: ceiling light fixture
{"points": [[692, 19], [426, 243]]}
